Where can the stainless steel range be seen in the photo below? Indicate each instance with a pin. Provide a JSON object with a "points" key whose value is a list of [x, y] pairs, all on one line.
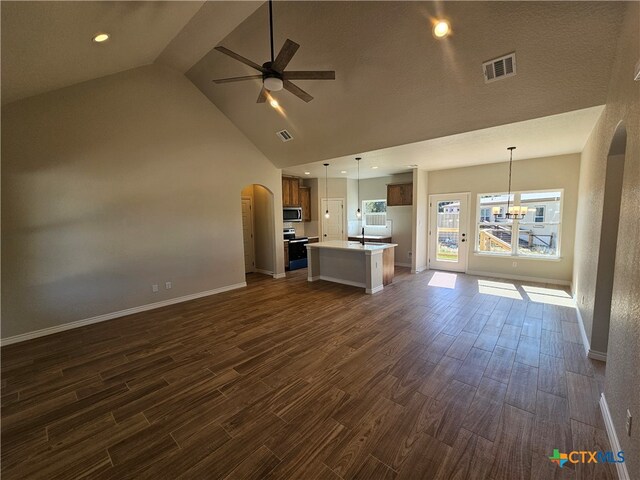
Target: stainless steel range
{"points": [[297, 249]]}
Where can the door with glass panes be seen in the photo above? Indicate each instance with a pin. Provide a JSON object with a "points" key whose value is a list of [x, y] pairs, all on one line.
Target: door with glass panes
{"points": [[449, 231]]}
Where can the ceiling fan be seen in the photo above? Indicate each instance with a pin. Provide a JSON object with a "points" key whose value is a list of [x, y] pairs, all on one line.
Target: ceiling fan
{"points": [[273, 73]]}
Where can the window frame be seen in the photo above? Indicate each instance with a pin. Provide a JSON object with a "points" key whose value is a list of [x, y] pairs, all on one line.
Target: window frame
{"points": [[364, 212], [483, 216], [515, 226]]}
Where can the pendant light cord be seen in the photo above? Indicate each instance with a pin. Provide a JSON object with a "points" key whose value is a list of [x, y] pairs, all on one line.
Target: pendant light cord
{"points": [[358, 159], [326, 186]]}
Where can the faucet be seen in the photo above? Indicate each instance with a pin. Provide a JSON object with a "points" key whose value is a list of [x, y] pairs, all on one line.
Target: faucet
{"points": [[362, 241]]}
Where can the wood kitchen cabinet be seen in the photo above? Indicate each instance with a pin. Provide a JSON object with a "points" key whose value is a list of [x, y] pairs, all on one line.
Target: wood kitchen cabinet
{"points": [[304, 194], [290, 192], [399, 194]]}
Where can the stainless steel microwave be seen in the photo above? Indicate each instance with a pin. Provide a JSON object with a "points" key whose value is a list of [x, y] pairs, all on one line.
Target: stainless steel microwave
{"points": [[292, 214]]}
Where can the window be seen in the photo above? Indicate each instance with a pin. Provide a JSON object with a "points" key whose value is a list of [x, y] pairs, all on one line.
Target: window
{"points": [[537, 234], [374, 213]]}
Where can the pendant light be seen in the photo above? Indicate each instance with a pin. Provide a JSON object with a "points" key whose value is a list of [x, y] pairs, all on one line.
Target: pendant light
{"points": [[358, 212], [326, 188], [516, 212]]}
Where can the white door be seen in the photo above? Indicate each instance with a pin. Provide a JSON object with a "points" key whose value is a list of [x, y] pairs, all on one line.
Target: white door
{"points": [[247, 235], [449, 231], [333, 227]]}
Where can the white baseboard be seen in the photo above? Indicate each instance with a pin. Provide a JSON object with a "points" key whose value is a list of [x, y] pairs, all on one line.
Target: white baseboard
{"points": [[264, 272], [371, 291], [583, 332], [280, 275], [596, 355], [593, 354], [110, 316], [519, 277], [419, 269], [402, 265], [623, 473]]}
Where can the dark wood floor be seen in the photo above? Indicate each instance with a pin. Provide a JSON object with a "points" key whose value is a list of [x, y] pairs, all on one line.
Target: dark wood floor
{"points": [[286, 379]]}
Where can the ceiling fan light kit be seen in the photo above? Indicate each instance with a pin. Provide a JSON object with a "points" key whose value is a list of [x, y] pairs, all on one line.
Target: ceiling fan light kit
{"points": [[273, 74], [273, 84]]}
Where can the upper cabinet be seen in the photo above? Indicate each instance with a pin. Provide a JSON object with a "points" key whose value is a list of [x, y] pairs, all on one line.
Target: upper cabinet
{"points": [[399, 194], [305, 203], [290, 192]]}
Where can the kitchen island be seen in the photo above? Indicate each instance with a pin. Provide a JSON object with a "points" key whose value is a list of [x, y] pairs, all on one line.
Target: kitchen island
{"points": [[369, 266]]}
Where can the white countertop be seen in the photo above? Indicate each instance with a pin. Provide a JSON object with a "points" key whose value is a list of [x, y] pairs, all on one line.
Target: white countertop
{"points": [[352, 245]]}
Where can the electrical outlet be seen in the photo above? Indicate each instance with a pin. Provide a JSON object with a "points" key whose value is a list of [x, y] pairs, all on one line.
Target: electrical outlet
{"points": [[628, 424], [154, 288], [515, 264], [167, 285]]}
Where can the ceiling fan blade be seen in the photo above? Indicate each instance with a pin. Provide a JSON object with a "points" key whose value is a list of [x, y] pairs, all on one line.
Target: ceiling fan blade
{"points": [[310, 75], [240, 58], [297, 91], [236, 79], [262, 97], [287, 52]]}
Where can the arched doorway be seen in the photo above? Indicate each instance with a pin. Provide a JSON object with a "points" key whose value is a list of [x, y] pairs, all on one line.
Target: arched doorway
{"points": [[258, 229], [608, 241]]}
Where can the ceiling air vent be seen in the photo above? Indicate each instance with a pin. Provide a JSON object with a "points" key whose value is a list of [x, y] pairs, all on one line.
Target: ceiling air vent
{"points": [[284, 135], [499, 68]]}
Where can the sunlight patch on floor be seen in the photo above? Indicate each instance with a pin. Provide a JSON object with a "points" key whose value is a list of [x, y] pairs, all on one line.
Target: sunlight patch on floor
{"points": [[443, 280], [549, 296], [500, 289]]}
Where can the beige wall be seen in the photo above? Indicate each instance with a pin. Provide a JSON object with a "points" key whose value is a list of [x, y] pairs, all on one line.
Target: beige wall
{"points": [[116, 184], [336, 188], [419, 220], [614, 174], [532, 174], [263, 220], [622, 385], [263, 214]]}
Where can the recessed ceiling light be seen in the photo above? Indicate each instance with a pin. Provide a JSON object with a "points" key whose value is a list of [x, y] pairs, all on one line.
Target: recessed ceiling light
{"points": [[343, 171], [307, 173], [441, 29], [375, 168], [101, 37], [274, 103]]}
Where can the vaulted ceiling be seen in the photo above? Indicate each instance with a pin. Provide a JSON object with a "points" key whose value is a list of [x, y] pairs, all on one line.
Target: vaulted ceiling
{"points": [[47, 45], [395, 83]]}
